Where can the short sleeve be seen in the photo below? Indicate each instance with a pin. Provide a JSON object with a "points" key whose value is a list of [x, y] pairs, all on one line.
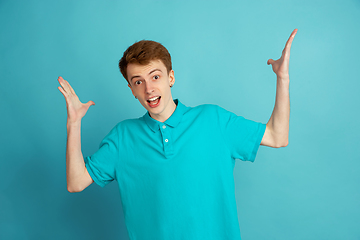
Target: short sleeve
{"points": [[242, 136], [102, 164]]}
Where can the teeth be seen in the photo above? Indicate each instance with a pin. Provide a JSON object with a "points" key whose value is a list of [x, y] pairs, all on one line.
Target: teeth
{"points": [[153, 99]]}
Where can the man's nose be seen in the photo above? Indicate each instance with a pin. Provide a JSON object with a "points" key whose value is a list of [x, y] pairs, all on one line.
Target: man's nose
{"points": [[149, 87]]}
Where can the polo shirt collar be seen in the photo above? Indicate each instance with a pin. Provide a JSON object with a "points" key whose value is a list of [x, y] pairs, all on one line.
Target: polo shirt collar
{"points": [[172, 121]]}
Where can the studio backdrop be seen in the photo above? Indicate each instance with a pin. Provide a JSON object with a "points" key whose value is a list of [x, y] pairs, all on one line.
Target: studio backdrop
{"points": [[308, 190]]}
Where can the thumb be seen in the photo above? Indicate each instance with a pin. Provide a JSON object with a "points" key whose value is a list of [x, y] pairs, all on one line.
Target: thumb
{"points": [[270, 61], [89, 103]]}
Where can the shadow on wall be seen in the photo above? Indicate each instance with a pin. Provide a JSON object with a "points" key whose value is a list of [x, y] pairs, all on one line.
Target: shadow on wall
{"points": [[36, 205]]}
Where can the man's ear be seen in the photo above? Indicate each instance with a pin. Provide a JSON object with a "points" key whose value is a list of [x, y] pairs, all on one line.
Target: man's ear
{"points": [[172, 77]]}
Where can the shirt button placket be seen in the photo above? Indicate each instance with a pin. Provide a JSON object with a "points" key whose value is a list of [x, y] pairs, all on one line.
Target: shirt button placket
{"points": [[166, 139]]}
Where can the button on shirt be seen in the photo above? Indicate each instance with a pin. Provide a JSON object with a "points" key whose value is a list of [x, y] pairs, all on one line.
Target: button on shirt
{"points": [[176, 178]]}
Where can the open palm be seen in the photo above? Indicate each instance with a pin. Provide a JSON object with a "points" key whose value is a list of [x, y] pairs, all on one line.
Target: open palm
{"points": [[76, 110]]}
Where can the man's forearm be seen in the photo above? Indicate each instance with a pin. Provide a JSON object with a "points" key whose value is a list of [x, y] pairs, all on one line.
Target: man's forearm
{"points": [[75, 166], [279, 120]]}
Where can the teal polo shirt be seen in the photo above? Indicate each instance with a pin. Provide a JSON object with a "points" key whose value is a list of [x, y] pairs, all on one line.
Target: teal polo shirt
{"points": [[176, 178]]}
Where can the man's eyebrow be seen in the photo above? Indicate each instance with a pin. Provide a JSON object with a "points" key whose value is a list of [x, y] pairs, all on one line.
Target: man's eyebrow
{"points": [[134, 77], [156, 69]]}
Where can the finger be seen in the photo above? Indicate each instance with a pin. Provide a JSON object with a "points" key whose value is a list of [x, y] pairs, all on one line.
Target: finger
{"points": [[270, 61], [291, 38], [62, 91], [60, 79], [70, 88], [289, 41], [90, 103], [64, 86]]}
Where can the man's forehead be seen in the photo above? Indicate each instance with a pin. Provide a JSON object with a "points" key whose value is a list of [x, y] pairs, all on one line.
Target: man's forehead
{"points": [[135, 69]]}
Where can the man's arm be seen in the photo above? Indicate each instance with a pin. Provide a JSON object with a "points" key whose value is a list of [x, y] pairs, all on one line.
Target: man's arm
{"points": [[277, 129], [77, 175]]}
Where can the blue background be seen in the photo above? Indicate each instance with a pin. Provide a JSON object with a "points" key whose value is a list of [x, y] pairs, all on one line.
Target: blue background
{"points": [[308, 190]]}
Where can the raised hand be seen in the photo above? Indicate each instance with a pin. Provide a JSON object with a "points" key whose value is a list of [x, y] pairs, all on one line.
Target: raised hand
{"points": [[76, 110], [281, 66]]}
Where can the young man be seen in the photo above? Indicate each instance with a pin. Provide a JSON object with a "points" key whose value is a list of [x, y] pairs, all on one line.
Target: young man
{"points": [[174, 165]]}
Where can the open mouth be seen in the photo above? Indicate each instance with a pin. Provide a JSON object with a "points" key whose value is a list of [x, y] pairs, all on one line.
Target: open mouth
{"points": [[154, 102]]}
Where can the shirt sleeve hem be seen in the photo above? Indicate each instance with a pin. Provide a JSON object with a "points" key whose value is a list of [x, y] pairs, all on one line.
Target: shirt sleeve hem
{"points": [[92, 175], [257, 142]]}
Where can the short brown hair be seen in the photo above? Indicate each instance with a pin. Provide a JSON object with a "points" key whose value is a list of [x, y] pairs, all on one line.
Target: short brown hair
{"points": [[142, 53]]}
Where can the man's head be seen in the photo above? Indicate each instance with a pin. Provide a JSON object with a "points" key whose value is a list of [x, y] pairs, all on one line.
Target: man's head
{"points": [[146, 66], [142, 53]]}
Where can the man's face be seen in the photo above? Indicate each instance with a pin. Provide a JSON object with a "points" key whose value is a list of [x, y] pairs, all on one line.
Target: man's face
{"points": [[150, 84]]}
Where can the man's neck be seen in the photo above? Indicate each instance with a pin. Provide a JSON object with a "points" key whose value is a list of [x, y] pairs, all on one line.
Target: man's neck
{"points": [[166, 114]]}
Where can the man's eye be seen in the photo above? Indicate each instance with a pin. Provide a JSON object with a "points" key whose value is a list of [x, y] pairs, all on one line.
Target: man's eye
{"points": [[137, 82], [156, 77]]}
